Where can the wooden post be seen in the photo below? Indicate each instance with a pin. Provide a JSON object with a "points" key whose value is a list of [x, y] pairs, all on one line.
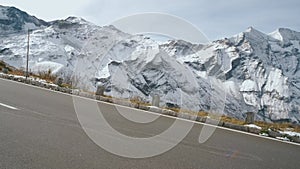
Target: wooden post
{"points": [[249, 118], [155, 100], [27, 57], [100, 90], [59, 81]]}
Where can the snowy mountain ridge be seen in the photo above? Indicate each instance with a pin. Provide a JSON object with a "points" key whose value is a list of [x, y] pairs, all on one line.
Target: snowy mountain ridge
{"points": [[256, 72], [13, 20]]}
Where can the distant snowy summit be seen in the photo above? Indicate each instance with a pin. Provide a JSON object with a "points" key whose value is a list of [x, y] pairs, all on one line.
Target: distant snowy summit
{"points": [[250, 72]]}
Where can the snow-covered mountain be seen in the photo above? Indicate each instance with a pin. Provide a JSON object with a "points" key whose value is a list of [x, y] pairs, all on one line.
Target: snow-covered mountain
{"points": [[13, 20], [255, 71]]}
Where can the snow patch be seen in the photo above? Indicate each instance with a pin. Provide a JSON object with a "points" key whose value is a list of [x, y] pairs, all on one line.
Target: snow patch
{"points": [[277, 82], [276, 35], [249, 86], [253, 126], [46, 65], [291, 133]]}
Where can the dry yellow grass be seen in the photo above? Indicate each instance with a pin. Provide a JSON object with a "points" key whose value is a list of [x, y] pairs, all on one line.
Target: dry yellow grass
{"points": [[137, 101], [202, 114], [47, 75], [278, 126], [232, 120]]}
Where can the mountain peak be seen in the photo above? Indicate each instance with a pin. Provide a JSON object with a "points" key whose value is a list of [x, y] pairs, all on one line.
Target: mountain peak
{"points": [[251, 30], [13, 20], [285, 34], [70, 22], [251, 33], [74, 19]]}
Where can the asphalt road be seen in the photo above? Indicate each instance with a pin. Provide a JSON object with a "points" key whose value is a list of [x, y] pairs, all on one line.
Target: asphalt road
{"points": [[40, 130]]}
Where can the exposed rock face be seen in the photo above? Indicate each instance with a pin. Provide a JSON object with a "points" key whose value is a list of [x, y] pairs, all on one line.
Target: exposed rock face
{"points": [[13, 20], [257, 72]]}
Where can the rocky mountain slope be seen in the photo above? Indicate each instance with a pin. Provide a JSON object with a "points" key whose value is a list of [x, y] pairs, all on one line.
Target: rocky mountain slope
{"points": [[12, 20], [251, 71]]}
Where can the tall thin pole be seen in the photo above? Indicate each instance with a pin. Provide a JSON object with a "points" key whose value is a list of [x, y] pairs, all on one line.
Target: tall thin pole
{"points": [[27, 59]]}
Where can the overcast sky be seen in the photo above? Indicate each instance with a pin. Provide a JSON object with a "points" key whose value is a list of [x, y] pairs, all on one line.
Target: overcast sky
{"points": [[215, 18]]}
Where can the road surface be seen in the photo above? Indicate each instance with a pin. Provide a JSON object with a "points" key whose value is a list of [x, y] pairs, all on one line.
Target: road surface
{"points": [[39, 129]]}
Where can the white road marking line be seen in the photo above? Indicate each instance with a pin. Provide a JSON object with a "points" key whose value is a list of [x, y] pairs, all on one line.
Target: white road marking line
{"points": [[8, 106]]}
